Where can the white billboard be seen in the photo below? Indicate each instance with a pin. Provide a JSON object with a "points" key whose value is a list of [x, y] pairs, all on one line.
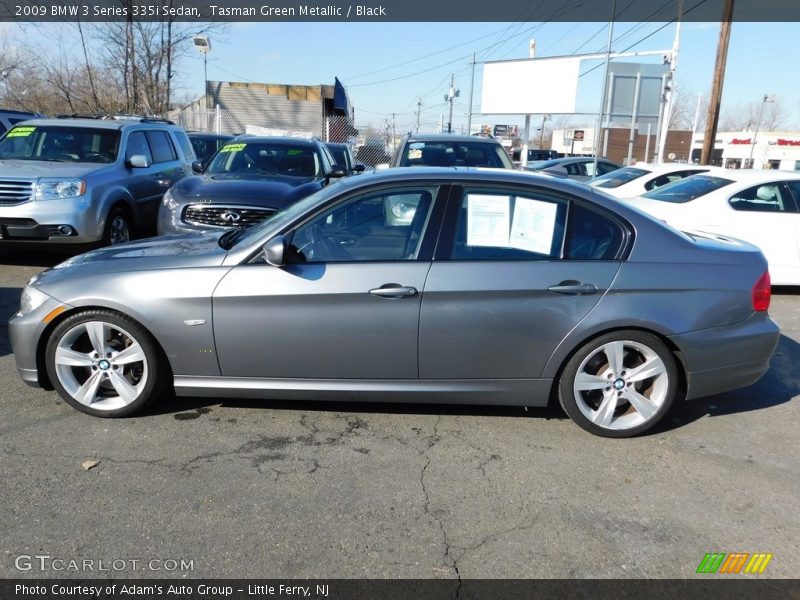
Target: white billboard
{"points": [[530, 86]]}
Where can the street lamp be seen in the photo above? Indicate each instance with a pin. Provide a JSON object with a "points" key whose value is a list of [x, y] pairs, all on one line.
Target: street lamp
{"points": [[203, 45], [767, 98]]}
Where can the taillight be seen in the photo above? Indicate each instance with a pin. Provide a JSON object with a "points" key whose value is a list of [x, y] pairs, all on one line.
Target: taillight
{"points": [[762, 291]]}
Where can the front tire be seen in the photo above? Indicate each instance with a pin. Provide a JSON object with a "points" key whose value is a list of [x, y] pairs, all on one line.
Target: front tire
{"points": [[119, 228], [105, 364], [620, 384]]}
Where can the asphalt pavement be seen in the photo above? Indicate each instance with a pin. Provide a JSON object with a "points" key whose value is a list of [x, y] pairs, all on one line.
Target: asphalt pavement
{"points": [[221, 488]]}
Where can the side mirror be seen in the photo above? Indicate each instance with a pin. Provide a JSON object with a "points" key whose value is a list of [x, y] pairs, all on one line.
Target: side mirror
{"points": [[197, 166], [337, 171], [360, 168], [138, 161], [274, 250]]}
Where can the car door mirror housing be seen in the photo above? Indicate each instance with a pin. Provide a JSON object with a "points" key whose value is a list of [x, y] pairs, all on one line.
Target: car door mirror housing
{"points": [[197, 166], [360, 168], [138, 161], [275, 251], [337, 171]]}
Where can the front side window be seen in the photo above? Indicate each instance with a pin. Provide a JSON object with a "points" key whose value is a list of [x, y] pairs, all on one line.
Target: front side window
{"points": [[60, 144], [163, 151], [185, 144], [380, 226], [768, 197], [137, 145], [508, 226], [266, 158]]}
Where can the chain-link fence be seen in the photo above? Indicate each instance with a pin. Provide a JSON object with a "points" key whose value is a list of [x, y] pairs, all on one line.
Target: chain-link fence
{"points": [[372, 140]]}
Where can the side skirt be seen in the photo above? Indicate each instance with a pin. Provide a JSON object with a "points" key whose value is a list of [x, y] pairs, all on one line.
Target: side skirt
{"points": [[504, 392]]}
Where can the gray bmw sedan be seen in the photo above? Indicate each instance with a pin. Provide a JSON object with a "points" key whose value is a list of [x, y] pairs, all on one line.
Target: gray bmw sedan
{"points": [[419, 284]]}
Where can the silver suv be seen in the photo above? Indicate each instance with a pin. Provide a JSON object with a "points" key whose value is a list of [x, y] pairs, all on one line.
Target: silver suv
{"points": [[70, 181]]}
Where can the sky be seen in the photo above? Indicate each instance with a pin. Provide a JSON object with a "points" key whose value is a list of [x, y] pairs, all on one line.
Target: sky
{"points": [[390, 67]]}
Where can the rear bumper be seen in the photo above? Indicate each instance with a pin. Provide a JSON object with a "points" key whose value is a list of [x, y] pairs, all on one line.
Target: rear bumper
{"points": [[730, 357]]}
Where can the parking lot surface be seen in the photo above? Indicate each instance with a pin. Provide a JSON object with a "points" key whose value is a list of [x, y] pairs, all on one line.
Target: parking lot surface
{"points": [[322, 490]]}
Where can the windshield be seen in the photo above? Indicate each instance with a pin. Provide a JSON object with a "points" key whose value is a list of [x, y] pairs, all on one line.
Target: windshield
{"points": [[455, 154], [60, 143], [266, 158], [689, 188], [617, 178], [281, 218]]}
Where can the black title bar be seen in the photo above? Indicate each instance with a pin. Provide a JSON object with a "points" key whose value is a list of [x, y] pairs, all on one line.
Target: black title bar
{"points": [[392, 10]]}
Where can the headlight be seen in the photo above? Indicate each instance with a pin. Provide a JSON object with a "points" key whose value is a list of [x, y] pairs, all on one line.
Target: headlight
{"points": [[57, 189], [31, 300], [168, 201]]}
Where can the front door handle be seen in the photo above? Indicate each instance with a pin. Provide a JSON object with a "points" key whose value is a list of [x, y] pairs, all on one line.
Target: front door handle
{"points": [[573, 288], [394, 290]]}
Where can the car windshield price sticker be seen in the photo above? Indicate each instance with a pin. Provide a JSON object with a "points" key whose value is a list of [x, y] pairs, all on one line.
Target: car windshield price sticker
{"points": [[21, 132], [533, 225], [233, 148], [488, 218]]}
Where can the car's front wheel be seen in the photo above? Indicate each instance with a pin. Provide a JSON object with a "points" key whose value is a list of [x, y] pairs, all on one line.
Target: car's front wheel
{"points": [[619, 384], [118, 228], [104, 363]]}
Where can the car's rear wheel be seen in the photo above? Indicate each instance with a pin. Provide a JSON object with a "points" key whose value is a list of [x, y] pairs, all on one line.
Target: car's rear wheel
{"points": [[619, 384], [119, 228], [104, 363]]}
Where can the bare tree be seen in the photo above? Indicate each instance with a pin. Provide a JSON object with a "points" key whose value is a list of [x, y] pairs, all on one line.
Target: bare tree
{"points": [[738, 117]]}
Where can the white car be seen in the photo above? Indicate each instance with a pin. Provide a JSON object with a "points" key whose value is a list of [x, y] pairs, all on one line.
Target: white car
{"points": [[630, 182], [760, 207]]}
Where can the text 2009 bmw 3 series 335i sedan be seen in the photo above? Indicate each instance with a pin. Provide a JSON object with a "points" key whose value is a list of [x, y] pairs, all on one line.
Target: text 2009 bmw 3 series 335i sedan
{"points": [[419, 284]]}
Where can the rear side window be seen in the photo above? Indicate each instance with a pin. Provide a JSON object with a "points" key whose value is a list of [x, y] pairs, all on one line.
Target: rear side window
{"points": [[185, 144], [592, 236], [137, 144], [508, 226], [163, 151]]}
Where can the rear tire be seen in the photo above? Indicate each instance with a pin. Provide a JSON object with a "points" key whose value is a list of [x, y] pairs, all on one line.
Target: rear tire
{"points": [[620, 384], [105, 364]]}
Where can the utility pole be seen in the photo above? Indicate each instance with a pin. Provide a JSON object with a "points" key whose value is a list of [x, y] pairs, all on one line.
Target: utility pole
{"points": [[419, 109], [595, 145], [541, 139], [451, 93], [471, 89], [716, 89], [669, 92]]}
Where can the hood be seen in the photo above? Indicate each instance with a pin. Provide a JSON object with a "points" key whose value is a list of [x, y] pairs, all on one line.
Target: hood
{"points": [[184, 250], [32, 169], [273, 191]]}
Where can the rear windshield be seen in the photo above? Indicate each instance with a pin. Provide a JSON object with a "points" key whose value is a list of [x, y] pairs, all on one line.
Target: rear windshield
{"points": [[687, 189], [455, 154], [617, 178], [60, 144], [544, 164], [266, 158]]}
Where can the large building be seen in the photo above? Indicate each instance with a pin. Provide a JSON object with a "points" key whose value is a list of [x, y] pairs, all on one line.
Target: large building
{"points": [[234, 107], [742, 150], [614, 146]]}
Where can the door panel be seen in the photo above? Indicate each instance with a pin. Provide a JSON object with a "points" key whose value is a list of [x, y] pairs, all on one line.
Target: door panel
{"points": [[318, 321], [487, 320]]}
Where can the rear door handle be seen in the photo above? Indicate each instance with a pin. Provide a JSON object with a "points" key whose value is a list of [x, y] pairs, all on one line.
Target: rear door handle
{"points": [[573, 288], [394, 290]]}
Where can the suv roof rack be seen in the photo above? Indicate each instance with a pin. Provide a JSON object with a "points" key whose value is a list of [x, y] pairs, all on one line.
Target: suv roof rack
{"points": [[116, 118]]}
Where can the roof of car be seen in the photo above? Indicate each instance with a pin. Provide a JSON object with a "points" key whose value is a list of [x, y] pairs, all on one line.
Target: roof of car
{"points": [[337, 145], [113, 124], [450, 137], [210, 136], [664, 167]]}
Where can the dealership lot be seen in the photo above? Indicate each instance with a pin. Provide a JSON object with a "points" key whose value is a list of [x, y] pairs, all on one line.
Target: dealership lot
{"points": [[279, 489]]}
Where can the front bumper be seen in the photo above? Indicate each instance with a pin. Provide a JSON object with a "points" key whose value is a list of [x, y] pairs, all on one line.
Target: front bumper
{"points": [[39, 222], [730, 357], [25, 331]]}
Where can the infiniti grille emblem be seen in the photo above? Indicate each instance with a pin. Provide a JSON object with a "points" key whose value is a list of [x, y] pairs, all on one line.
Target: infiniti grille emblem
{"points": [[230, 216]]}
